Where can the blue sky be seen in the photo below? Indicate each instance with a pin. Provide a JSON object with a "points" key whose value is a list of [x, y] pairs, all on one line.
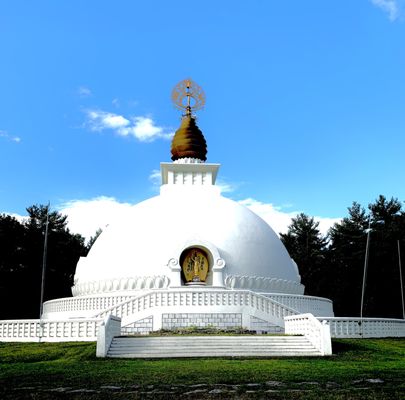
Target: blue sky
{"points": [[305, 101]]}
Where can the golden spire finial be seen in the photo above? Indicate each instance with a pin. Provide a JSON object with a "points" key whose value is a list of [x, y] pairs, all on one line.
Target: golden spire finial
{"points": [[187, 95], [188, 141]]}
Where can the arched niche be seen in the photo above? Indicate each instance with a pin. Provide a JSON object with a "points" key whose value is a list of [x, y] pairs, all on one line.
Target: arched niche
{"points": [[216, 264]]}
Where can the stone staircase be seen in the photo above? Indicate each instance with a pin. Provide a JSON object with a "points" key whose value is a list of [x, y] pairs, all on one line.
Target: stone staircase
{"points": [[211, 346]]}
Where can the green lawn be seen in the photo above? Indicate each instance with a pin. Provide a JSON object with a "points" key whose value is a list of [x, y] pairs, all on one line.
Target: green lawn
{"points": [[48, 366]]}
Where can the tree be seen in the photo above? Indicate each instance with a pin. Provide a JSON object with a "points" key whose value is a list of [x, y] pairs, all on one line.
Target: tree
{"points": [[94, 238], [12, 242], [382, 296], [23, 270], [346, 251], [307, 247], [38, 214], [346, 255]]}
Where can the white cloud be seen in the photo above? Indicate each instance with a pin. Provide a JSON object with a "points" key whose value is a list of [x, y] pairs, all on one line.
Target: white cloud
{"points": [[142, 128], [226, 187], [280, 220], [155, 178], [100, 120], [145, 130], [277, 219], [86, 216], [84, 91], [325, 223], [394, 8], [9, 137]]}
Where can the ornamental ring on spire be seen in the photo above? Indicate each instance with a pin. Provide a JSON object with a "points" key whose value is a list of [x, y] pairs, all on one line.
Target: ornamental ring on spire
{"points": [[188, 95]]}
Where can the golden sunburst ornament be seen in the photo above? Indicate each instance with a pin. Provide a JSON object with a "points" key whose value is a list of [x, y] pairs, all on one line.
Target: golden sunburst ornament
{"points": [[189, 96]]}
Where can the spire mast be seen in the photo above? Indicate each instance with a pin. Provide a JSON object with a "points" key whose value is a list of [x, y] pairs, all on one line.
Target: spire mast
{"points": [[188, 94]]}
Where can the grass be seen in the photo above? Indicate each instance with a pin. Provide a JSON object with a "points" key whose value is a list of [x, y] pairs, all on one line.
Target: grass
{"points": [[45, 366]]}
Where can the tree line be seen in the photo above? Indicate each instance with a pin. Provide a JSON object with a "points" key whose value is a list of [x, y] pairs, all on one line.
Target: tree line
{"points": [[330, 265], [21, 254]]}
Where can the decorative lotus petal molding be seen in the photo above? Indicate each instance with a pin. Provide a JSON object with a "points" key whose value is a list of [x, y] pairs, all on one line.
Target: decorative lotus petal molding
{"points": [[263, 284], [113, 285], [255, 283], [188, 160]]}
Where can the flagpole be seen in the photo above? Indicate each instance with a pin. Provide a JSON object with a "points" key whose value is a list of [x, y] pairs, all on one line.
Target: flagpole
{"points": [[365, 274], [400, 279], [44, 254]]}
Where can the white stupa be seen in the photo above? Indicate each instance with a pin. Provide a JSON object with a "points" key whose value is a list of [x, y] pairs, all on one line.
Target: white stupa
{"points": [[189, 256]]}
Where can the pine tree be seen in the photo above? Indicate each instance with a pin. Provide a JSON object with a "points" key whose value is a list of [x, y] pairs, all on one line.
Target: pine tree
{"points": [[307, 247]]}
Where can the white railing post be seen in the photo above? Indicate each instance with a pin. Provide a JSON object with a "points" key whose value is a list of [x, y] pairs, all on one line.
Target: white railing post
{"points": [[326, 338], [110, 327], [316, 332]]}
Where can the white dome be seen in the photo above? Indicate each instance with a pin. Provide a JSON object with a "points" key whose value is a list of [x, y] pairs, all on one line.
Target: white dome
{"points": [[138, 249]]}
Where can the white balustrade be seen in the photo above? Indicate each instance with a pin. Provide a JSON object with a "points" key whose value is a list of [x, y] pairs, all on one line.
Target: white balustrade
{"points": [[197, 299], [87, 303], [318, 306], [35, 330], [182, 300], [318, 333], [347, 327]]}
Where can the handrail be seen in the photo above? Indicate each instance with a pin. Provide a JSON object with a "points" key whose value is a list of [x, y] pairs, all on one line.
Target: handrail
{"points": [[84, 303], [317, 306], [198, 297], [356, 327], [317, 332], [35, 330]]}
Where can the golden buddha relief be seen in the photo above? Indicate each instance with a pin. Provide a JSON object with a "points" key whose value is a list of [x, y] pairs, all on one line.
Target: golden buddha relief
{"points": [[195, 265]]}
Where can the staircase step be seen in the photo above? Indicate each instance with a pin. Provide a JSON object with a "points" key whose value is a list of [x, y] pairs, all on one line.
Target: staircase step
{"points": [[204, 345], [227, 355], [204, 349], [208, 353], [211, 346]]}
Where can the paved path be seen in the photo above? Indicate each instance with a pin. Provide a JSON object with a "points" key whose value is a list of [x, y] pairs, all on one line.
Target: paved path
{"points": [[270, 390]]}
